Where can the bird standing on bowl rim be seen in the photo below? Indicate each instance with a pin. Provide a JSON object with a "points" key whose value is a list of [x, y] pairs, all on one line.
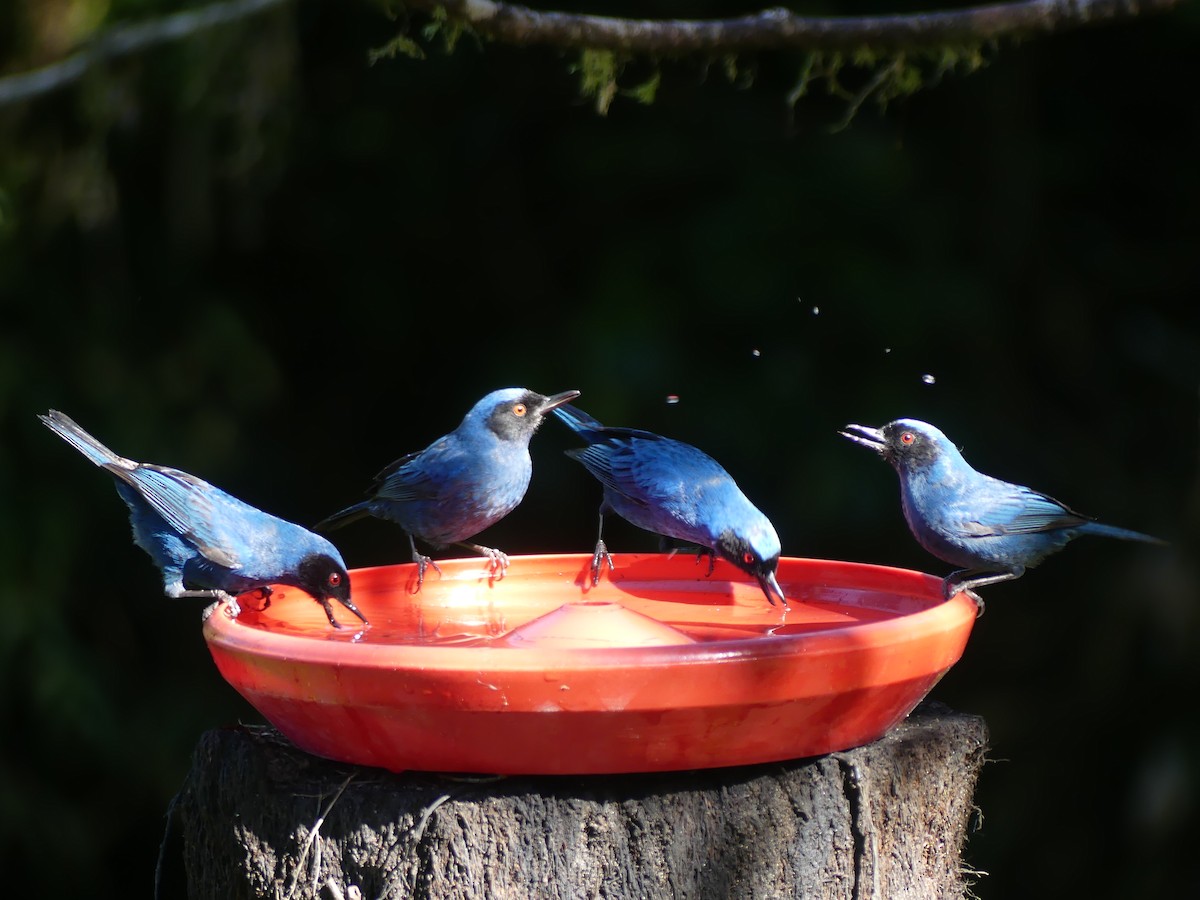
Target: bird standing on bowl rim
{"points": [[673, 489], [198, 534], [464, 481], [993, 529]]}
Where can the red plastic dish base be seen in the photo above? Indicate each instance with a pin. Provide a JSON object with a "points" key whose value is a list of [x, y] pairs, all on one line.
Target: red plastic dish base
{"points": [[446, 679]]}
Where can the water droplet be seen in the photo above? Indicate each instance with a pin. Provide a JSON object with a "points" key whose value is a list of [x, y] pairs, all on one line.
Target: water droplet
{"points": [[756, 352], [928, 379], [672, 398]]}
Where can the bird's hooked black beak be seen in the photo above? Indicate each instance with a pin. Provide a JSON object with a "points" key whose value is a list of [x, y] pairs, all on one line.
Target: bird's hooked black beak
{"points": [[770, 587], [867, 437], [557, 400]]}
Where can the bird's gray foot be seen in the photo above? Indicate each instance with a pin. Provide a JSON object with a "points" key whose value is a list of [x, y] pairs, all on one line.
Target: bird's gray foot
{"points": [[497, 559], [233, 610], [600, 557], [424, 562], [215, 595], [956, 583], [712, 562], [948, 586]]}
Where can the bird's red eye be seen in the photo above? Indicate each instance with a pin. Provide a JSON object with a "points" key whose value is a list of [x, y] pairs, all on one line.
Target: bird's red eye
{"points": [[907, 438], [519, 410], [335, 578], [748, 558]]}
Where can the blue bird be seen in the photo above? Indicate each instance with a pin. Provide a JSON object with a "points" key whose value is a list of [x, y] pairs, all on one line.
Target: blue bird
{"points": [[671, 488], [993, 529], [198, 534], [464, 481]]}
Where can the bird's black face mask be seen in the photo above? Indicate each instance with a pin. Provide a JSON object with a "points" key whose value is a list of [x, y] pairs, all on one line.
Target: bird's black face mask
{"points": [[325, 579], [517, 419]]}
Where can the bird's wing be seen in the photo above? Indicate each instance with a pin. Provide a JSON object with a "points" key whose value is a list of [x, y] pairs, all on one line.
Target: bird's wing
{"points": [[1021, 510], [647, 468], [610, 461], [393, 467], [408, 478], [185, 503]]}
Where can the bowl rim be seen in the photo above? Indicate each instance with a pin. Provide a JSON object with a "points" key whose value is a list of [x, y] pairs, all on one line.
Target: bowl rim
{"points": [[939, 616]]}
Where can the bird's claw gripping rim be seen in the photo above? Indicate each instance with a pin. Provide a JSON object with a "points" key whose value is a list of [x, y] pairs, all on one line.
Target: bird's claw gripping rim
{"points": [[951, 587], [497, 561], [424, 562], [600, 557], [232, 609]]}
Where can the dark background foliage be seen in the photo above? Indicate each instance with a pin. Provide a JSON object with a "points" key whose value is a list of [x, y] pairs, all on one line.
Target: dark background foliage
{"points": [[255, 257]]}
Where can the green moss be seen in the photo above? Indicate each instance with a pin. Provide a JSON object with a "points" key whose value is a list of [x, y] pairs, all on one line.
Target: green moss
{"points": [[399, 45], [449, 29], [598, 70], [645, 92], [864, 73]]}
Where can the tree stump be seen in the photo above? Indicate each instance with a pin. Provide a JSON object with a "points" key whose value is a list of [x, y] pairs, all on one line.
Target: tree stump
{"points": [[259, 818]]}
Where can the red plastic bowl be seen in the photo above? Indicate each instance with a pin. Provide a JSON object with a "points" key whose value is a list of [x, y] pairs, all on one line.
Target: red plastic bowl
{"points": [[659, 667]]}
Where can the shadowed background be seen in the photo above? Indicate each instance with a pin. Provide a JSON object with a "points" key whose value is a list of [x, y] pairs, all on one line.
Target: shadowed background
{"points": [[255, 257]]}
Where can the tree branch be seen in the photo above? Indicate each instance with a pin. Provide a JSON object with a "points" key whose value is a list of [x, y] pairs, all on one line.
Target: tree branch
{"points": [[770, 29], [123, 40], [780, 29]]}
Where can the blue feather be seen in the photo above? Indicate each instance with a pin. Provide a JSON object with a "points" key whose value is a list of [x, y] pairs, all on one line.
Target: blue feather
{"points": [[465, 481], [993, 529], [199, 535], [673, 489]]}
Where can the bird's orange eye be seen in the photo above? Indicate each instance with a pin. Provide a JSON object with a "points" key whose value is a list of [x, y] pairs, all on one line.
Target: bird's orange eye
{"points": [[907, 438], [519, 410], [748, 558], [335, 578]]}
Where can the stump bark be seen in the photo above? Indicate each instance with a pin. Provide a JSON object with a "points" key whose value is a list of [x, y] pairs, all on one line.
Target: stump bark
{"points": [[258, 818]]}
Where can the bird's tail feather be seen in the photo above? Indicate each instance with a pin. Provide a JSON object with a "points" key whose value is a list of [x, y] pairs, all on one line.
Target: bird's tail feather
{"points": [[1123, 534], [71, 432], [345, 517], [576, 419]]}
